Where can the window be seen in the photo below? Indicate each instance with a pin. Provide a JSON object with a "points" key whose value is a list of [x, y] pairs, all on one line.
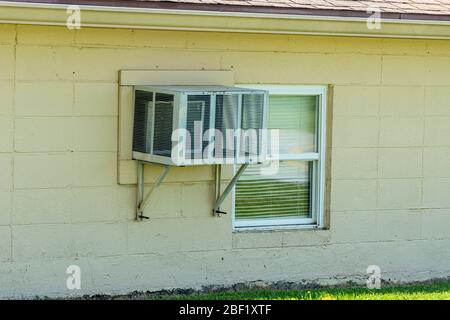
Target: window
{"points": [[288, 192]]}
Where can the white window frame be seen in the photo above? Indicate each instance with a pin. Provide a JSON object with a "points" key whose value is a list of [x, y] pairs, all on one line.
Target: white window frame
{"points": [[318, 159]]}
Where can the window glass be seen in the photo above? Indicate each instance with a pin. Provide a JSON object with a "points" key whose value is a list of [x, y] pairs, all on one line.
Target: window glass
{"points": [[285, 194], [295, 117]]}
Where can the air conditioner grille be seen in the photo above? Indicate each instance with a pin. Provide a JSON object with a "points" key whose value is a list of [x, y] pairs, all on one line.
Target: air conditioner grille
{"points": [[162, 134], [226, 118], [142, 121], [198, 114], [252, 118]]}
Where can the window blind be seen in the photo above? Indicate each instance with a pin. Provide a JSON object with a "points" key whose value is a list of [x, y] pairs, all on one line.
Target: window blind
{"points": [[285, 194], [295, 117]]}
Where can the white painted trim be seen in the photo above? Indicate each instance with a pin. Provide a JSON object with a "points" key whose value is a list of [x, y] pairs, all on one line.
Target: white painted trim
{"points": [[273, 222]]}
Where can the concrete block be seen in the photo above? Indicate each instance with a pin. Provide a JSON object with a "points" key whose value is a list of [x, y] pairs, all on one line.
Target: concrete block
{"points": [[197, 199], [102, 204], [355, 132], [438, 47], [437, 101], [87, 136], [435, 224], [400, 194], [180, 235], [437, 131], [307, 237], [401, 132], [6, 172], [294, 68], [166, 201], [405, 47], [5, 207], [6, 134], [356, 101], [160, 39], [45, 35], [42, 171], [44, 206], [241, 42], [308, 44], [169, 59], [354, 163], [6, 98], [402, 101], [7, 64], [400, 162], [436, 193], [347, 195], [436, 162], [44, 98], [43, 134], [397, 70], [36, 63], [266, 239], [41, 242], [104, 37], [94, 169], [91, 64], [352, 227], [438, 69], [99, 239], [96, 99], [398, 225], [357, 45], [5, 243], [7, 34]]}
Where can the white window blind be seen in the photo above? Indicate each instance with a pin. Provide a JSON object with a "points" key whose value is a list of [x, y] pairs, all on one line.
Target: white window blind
{"points": [[295, 117], [285, 194]]}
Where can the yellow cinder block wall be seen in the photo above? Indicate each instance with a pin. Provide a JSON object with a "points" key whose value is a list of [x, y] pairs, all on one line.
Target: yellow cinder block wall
{"points": [[60, 203]]}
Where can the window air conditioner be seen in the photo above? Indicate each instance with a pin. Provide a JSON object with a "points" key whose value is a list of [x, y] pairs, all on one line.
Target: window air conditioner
{"points": [[197, 125]]}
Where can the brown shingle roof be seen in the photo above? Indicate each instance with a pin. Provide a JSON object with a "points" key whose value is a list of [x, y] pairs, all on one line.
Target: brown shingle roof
{"points": [[417, 9], [388, 6]]}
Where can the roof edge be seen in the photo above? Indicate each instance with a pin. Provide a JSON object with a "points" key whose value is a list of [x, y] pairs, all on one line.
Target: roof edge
{"points": [[47, 12], [221, 8]]}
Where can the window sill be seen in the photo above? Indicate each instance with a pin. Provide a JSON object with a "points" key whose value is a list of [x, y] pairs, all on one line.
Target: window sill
{"points": [[280, 228], [280, 237]]}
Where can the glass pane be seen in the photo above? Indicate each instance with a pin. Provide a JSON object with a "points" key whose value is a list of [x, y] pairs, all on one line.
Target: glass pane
{"points": [[295, 116], [226, 118], [162, 139], [143, 105], [286, 194], [251, 123], [198, 117]]}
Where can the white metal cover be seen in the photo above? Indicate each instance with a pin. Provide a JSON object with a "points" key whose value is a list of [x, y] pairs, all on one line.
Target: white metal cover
{"points": [[218, 115]]}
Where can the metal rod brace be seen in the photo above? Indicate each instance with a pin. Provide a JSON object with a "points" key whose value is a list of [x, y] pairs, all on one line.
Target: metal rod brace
{"points": [[142, 201], [221, 197]]}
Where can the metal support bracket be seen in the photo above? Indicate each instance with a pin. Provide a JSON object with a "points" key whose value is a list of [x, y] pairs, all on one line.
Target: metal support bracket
{"points": [[141, 201], [221, 197]]}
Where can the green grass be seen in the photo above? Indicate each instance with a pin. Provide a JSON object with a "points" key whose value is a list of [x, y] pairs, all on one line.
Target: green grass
{"points": [[436, 291]]}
